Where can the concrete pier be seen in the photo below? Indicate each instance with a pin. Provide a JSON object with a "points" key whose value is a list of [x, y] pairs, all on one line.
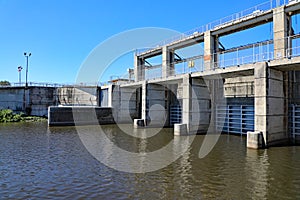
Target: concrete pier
{"points": [[255, 140]]}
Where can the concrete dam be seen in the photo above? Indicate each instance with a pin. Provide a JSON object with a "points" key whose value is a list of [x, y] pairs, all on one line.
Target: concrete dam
{"points": [[250, 89]]}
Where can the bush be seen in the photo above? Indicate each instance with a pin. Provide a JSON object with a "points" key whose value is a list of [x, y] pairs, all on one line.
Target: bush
{"points": [[7, 115], [4, 83]]}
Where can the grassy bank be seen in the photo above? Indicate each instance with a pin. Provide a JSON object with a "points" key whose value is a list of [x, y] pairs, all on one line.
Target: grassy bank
{"points": [[8, 115]]}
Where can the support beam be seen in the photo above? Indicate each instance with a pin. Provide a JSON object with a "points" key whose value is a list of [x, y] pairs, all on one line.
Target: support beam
{"points": [[281, 30], [209, 51], [139, 68], [167, 62]]}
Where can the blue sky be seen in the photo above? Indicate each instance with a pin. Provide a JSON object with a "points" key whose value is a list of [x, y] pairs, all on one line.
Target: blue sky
{"points": [[60, 34]]}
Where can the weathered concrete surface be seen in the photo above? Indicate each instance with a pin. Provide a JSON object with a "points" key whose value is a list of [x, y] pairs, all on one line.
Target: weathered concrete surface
{"points": [[280, 32], [33, 101], [200, 105], [79, 115], [209, 50], [180, 129], [13, 98], [40, 99], [78, 95], [167, 62], [255, 140], [294, 96], [271, 104], [156, 105], [125, 103], [239, 87], [139, 68]]}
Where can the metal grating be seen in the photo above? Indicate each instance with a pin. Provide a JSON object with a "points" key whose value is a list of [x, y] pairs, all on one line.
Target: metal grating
{"points": [[236, 119], [294, 120], [175, 114]]}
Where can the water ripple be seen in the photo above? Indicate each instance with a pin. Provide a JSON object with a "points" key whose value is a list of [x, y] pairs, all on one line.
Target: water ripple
{"points": [[37, 163]]}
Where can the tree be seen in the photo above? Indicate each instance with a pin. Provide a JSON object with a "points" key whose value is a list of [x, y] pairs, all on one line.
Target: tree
{"points": [[4, 83]]}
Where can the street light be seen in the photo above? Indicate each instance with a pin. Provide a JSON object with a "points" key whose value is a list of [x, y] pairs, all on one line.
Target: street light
{"points": [[19, 70], [27, 56]]}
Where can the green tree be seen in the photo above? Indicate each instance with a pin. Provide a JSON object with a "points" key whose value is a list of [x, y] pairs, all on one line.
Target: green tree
{"points": [[4, 83]]}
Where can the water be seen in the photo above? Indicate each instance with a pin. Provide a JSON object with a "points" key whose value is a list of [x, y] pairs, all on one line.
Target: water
{"points": [[39, 163]]}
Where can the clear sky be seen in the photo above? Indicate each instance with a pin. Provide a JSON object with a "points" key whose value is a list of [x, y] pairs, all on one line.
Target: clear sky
{"points": [[60, 34]]}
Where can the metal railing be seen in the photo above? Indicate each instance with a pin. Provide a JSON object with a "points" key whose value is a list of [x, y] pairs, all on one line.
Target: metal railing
{"points": [[258, 52], [250, 12], [37, 84], [56, 85], [247, 54]]}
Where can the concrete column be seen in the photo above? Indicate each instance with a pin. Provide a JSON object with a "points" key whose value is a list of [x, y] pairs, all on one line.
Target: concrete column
{"points": [[167, 62], [209, 50], [144, 102], [186, 101], [139, 68], [281, 28], [110, 95], [271, 104]]}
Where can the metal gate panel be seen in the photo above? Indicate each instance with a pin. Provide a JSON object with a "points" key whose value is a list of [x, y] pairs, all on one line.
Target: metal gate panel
{"points": [[294, 119], [175, 114], [237, 119]]}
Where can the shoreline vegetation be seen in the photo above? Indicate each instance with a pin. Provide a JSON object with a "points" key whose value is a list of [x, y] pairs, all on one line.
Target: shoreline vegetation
{"points": [[7, 115]]}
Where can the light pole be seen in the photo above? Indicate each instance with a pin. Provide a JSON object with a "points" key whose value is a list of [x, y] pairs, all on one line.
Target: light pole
{"points": [[27, 56], [19, 70]]}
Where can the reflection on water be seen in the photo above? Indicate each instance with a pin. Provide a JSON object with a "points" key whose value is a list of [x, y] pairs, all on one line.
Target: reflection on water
{"points": [[257, 166], [37, 162]]}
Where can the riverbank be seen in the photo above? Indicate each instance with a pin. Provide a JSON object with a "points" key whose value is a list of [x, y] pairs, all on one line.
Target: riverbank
{"points": [[8, 115]]}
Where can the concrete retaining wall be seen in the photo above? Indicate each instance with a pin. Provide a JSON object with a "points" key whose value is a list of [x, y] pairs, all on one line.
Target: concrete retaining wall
{"points": [[32, 101], [70, 95], [82, 115], [12, 98]]}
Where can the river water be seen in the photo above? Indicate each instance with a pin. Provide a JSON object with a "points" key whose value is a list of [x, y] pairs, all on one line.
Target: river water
{"points": [[37, 162]]}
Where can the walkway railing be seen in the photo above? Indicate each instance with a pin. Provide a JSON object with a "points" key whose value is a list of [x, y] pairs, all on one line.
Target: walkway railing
{"points": [[41, 84], [253, 11], [247, 54], [38, 84]]}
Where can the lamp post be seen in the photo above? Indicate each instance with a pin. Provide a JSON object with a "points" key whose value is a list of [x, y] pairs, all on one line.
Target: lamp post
{"points": [[19, 70], [27, 56]]}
